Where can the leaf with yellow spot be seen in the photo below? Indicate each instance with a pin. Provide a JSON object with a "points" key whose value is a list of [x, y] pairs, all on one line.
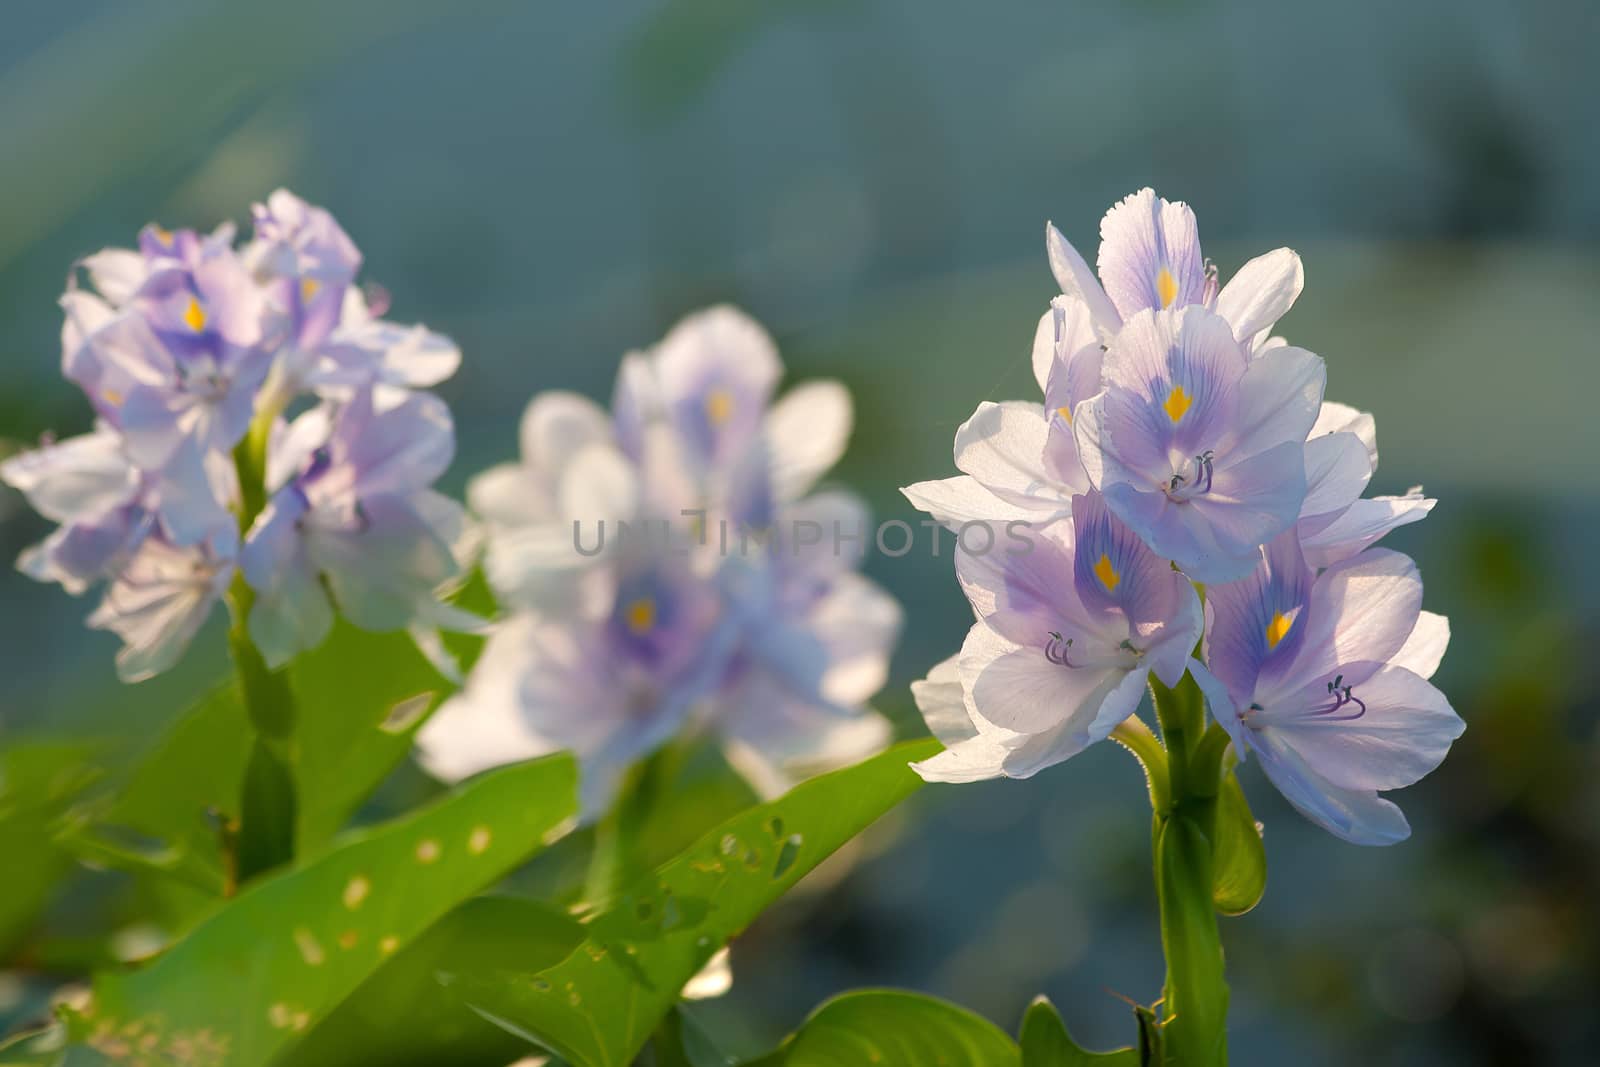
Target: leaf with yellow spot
{"points": [[277, 959], [599, 1005]]}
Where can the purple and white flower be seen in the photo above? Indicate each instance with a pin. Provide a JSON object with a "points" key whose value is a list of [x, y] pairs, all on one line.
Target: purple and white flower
{"points": [[1324, 679], [355, 519], [1067, 636], [700, 620], [1336, 521], [1197, 445]]}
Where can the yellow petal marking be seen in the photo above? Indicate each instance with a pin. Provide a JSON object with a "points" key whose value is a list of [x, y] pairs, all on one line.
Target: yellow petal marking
{"points": [[1166, 287], [194, 316], [719, 406], [1065, 413], [1278, 629], [1107, 574], [1177, 403], [641, 615], [308, 289]]}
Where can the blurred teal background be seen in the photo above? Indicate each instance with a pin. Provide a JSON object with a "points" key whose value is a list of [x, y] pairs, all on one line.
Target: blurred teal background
{"points": [[553, 184]]}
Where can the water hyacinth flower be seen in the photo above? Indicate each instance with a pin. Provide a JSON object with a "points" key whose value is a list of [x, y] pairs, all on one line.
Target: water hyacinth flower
{"points": [[186, 346], [355, 518], [705, 616], [1197, 445], [1324, 679], [1067, 636]]}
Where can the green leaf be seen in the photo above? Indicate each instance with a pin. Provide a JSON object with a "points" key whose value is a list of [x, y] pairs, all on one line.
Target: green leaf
{"points": [[250, 981], [403, 1017], [891, 1027], [1046, 1043], [598, 1006], [1239, 859], [359, 700]]}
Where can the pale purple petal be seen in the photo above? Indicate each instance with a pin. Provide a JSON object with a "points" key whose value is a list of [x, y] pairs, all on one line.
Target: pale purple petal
{"points": [[1261, 292], [1150, 254], [1078, 282]]}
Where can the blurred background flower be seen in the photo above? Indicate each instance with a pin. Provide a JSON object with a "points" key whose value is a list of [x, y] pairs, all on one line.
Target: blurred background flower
{"points": [[552, 185]]}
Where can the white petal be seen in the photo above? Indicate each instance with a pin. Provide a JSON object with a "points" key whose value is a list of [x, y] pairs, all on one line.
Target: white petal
{"points": [[1334, 417], [1261, 292], [1358, 816], [76, 479], [957, 501], [943, 705], [806, 432], [1337, 472], [1077, 280], [1002, 446], [1425, 647]]}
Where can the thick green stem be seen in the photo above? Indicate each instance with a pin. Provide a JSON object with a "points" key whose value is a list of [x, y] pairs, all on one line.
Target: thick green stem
{"points": [[267, 807], [1195, 996]]}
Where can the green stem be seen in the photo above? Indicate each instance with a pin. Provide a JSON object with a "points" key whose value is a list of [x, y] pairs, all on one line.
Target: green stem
{"points": [[1133, 735], [267, 806], [1195, 996]]}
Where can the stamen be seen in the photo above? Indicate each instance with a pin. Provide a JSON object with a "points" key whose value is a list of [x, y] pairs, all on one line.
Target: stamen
{"points": [[1056, 650]]}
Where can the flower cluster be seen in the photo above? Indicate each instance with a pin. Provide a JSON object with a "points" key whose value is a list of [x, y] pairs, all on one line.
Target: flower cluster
{"points": [[700, 612], [1181, 442], [192, 351]]}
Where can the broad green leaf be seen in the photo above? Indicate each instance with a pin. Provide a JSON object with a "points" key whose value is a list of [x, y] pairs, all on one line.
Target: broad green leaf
{"points": [[891, 1027], [1046, 1043], [359, 699], [598, 1006], [249, 982], [403, 1017], [1239, 859]]}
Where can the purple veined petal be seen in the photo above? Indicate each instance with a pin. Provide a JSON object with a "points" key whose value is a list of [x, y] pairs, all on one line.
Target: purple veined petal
{"points": [[1065, 329], [1280, 395], [1261, 293], [806, 433], [1078, 282], [1018, 688], [1360, 817], [1251, 501], [234, 302], [291, 613], [1425, 647], [1334, 417], [79, 478], [1024, 596], [1002, 446], [1172, 386], [1114, 571], [1338, 468], [1168, 647], [1220, 701], [185, 498], [399, 449], [305, 239], [153, 423], [158, 603], [380, 571], [1256, 626], [291, 444], [1359, 616], [1360, 525], [1150, 254], [1402, 732], [717, 369], [81, 553]]}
